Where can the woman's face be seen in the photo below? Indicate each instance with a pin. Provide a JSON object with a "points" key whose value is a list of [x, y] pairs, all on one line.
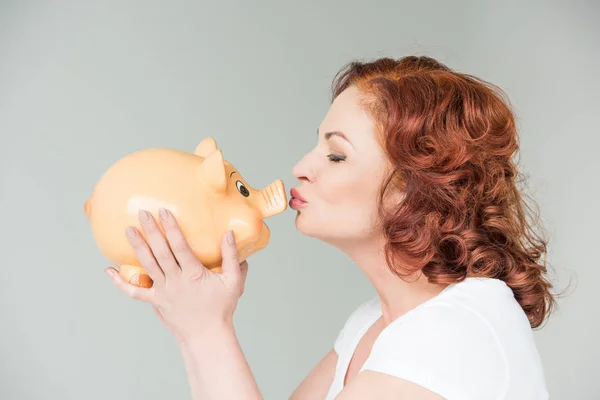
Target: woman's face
{"points": [[341, 177]]}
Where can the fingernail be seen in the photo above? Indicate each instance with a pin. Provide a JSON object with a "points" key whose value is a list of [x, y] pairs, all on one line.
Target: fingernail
{"points": [[230, 237], [130, 232], [144, 216], [164, 215]]}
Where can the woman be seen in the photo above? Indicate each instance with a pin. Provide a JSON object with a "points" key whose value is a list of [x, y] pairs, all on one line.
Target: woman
{"points": [[412, 177]]}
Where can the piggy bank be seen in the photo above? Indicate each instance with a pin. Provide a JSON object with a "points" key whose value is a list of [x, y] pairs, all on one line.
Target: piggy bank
{"points": [[207, 195]]}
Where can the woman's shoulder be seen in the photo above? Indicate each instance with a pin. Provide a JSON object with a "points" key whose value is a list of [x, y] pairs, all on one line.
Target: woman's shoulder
{"points": [[447, 345], [472, 301], [483, 301], [477, 311], [445, 348], [475, 331], [460, 305]]}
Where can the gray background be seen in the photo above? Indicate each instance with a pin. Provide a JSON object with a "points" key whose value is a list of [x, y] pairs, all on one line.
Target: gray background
{"points": [[84, 83]]}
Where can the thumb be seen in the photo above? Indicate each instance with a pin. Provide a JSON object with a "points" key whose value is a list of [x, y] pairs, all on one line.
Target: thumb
{"points": [[231, 265], [133, 291]]}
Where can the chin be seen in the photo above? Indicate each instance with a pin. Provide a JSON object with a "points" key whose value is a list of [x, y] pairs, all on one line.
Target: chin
{"points": [[301, 224], [305, 226]]}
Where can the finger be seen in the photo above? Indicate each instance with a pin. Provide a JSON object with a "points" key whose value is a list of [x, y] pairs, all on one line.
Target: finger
{"points": [[229, 251], [188, 262], [244, 269], [244, 273], [135, 292], [158, 244], [144, 255]]}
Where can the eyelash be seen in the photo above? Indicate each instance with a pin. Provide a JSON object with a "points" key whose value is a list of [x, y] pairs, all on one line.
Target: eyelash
{"points": [[334, 158]]}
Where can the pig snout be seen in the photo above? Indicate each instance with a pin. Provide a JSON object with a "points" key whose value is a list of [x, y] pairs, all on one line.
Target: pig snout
{"points": [[272, 199]]}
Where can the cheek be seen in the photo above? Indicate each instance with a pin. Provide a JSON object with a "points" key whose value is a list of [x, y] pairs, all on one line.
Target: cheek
{"points": [[247, 222], [345, 190], [350, 202]]}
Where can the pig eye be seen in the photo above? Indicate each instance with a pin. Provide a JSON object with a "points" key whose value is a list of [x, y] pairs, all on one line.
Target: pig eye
{"points": [[242, 189]]}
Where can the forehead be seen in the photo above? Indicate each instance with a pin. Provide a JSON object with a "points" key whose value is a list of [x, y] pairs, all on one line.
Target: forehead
{"points": [[348, 116]]}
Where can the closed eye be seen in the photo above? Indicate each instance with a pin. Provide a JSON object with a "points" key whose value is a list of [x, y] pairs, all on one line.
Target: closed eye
{"points": [[336, 158]]}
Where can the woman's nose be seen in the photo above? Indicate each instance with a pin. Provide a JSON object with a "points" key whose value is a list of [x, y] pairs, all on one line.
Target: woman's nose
{"points": [[301, 171]]}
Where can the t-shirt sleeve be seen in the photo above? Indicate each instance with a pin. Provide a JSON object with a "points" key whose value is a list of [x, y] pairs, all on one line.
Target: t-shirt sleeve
{"points": [[337, 344], [447, 349]]}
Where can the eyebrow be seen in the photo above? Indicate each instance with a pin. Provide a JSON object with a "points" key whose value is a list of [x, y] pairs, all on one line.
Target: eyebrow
{"points": [[336, 133]]}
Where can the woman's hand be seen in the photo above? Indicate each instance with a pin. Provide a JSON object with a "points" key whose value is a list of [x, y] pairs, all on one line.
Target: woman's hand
{"points": [[188, 298]]}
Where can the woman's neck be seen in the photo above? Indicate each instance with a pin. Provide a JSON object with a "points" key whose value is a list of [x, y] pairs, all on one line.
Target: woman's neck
{"points": [[397, 296]]}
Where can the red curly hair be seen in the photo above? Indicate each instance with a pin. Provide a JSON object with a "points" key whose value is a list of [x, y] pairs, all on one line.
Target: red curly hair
{"points": [[450, 138]]}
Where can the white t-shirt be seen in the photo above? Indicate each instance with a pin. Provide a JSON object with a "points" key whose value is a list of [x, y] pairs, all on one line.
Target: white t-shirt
{"points": [[471, 342]]}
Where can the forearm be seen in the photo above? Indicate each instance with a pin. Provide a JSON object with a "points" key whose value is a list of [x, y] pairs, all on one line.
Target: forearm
{"points": [[196, 387], [217, 367]]}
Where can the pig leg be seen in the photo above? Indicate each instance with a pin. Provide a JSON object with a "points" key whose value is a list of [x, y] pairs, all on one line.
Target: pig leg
{"points": [[135, 275]]}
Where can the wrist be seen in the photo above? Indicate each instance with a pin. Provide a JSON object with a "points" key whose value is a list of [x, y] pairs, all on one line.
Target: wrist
{"points": [[207, 334], [215, 360]]}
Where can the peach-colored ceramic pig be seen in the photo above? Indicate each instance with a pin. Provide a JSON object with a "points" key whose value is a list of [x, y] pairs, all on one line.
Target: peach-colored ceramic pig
{"points": [[205, 193]]}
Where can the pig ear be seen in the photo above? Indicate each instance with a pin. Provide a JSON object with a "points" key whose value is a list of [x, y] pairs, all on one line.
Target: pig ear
{"points": [[212, 172], [206, 147]]}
